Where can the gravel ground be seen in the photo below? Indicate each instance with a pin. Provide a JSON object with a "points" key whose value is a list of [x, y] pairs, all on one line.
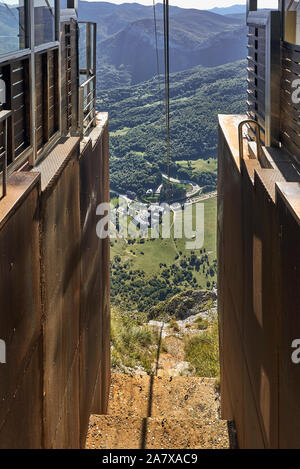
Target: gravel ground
{"points": [[160, 413]]}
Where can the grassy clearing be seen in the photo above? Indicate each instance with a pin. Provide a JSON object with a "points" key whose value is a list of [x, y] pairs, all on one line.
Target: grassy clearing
{"points": [[210, 228], [210, 164], [133, 344], [120, 132], [165, 251], [202, 352]]}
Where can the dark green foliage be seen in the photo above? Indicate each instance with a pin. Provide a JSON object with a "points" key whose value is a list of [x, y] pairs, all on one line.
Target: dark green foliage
{"points": [[133, 173], [172, 192], [132, 289]]}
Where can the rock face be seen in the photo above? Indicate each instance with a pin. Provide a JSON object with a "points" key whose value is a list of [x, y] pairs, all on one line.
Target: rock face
{"points": [[160, 413], [185, 304]]}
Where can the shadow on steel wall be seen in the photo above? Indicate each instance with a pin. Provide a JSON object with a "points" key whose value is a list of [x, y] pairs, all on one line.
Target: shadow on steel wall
{"points": [[259, 304], [54, 292]]}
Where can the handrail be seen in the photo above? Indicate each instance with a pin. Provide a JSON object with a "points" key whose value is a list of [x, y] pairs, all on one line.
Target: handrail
{"points": [[4, 116], [86, 82], [257, 133], [87, 110], [87, 89]]}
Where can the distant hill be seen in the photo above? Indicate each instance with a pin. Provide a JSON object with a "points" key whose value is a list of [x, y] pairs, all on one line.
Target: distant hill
{"points": [[112, 18], [232, 10], [196, 39], [127, 48], [8, 29], [238, 16]]}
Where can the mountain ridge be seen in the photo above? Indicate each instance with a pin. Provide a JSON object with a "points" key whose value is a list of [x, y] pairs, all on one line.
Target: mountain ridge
{"points": [[127, 44], [137, 138], [231, 10]]}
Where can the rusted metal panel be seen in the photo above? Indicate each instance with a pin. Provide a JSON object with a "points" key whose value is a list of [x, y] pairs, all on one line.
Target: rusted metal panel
{"points": [[288, 202], [91, 279], [95, 278], [225, 404], [55, 325], [252, 433], [261, 318], [106, 283], [19, 292], [234, 362], [259, 312], [230, 250], [67, 432], [22, 427], [60, 260]]}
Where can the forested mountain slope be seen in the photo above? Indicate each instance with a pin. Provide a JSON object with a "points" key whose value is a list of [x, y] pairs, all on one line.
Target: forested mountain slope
{"points": [[127, 43], [137, 124]]}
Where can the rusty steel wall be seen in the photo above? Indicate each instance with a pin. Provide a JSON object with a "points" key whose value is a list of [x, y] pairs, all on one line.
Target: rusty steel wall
{"points": [[60, 261], [258, 299], [54, 282], [230, 250], [20, 315], [289, 373], [94, 312], [106, 366]]}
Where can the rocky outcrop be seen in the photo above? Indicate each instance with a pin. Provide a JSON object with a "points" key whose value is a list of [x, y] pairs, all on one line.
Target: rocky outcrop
{"points": [[184, 304]]}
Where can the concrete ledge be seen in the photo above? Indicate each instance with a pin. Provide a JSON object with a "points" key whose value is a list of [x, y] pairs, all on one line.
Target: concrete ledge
{"points": [[290, 193], [53, 164], [18, 187], [229, 126], [268, 178], [96, 132], [280, 173]]}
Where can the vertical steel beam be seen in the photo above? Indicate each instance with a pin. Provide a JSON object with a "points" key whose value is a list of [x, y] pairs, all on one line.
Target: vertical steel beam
{"points": [[251, 6], [88, 49], [88, 61], [272, 79], [4, 177], [94, 69], [81, 112], [58, 37], [94, 47], [32, 80], [281, 8]]}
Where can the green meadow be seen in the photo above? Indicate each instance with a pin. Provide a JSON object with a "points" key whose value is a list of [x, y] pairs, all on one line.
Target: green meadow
{"points": [[210, 164], [154, 257]]}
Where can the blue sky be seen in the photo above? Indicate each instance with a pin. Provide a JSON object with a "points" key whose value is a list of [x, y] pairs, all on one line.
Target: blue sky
{"points": [[201, 4]]}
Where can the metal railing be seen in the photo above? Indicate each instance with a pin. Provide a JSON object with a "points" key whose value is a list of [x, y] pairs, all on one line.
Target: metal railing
{"points": [[87, 105], [87, 76], [264, 72], [4, 116], [257, 134]]}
